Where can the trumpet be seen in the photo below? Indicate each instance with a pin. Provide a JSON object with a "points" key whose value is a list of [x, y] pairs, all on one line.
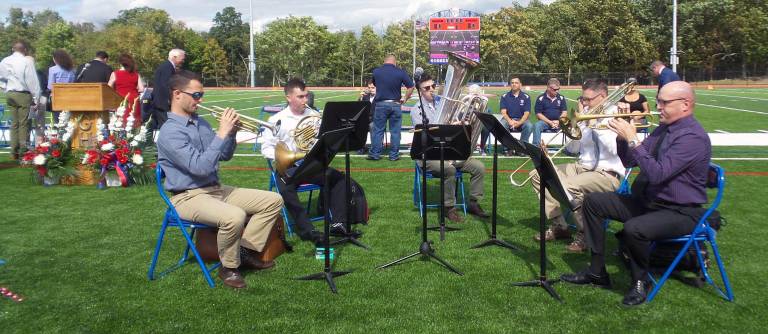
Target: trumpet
{"points": [[245, 123]]}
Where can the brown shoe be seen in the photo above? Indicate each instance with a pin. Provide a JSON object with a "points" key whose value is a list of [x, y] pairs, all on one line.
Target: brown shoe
{"points": [[453, 215], [578, 245], [553, 233], [231, 278], [249, 260], [475, 209]]}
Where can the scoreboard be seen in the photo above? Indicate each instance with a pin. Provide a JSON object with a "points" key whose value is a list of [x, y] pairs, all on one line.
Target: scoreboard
{"points": [[455, 34]]}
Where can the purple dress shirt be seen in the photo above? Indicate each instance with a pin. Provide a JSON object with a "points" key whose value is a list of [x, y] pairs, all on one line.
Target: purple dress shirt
{"points": [[679, 174]]}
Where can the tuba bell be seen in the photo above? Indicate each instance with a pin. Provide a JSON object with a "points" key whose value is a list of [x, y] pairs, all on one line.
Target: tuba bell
{"points": [[454, 108]]}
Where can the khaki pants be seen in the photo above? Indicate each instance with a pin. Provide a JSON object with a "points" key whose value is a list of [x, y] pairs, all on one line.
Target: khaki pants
{"points": [[579, 181], [227, 208], [472, 166], [19, 104]]}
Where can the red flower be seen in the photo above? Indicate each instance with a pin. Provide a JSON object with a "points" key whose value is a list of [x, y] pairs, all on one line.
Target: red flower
{"points": [[123, 159], [104, 161], [29, 156], [54, 141], [56, 153], [137, 151]]}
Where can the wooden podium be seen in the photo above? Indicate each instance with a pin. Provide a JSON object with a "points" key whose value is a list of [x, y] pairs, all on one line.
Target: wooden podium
{"points": [[89, 100]]}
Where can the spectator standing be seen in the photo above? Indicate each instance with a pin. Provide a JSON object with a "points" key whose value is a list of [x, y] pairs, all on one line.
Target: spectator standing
{"points": [[128, 84], [22, 91], [388, 79]]}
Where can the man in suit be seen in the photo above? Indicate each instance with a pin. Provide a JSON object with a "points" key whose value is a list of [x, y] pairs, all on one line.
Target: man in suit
{"points": [[665, 74], [161, 92], [95, 70]]}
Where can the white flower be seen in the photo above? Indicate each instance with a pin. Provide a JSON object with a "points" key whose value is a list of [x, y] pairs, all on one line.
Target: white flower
{"points": [[108, 147], [120, 111], [129, 135], [137, 159], [45, 144], [100, 136], [66, 137], [39, 160], [85, 159], [134, 143]]}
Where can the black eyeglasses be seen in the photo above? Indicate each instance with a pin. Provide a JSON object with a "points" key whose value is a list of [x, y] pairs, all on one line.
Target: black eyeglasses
{"points": [[587, 99], [429, 87], [660, 101], [195, 95]]}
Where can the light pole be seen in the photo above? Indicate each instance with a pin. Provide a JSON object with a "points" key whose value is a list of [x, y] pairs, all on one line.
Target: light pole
{"points": [[673, 52], [251, 59]]}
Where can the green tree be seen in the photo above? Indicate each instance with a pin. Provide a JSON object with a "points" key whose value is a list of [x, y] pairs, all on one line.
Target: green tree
{"points": [[214, 62], [57, 35], [507, 42], [232, 34], [370, 53]]}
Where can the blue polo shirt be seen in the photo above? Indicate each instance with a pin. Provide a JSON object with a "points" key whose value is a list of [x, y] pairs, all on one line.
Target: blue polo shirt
{"points": [[388, 79], [516, 105], [552, 108], [666, 76]]}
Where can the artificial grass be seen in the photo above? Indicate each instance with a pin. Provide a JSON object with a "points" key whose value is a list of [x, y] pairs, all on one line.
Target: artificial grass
{"points": [[79, 256]]}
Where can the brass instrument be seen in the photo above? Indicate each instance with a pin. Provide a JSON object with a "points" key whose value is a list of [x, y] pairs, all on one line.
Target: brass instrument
{"points": [[569, 124], [453, 109], [304, 136], [245, 123]]}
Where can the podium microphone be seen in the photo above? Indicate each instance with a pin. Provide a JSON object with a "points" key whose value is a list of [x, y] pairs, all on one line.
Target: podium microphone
{"points": [[85, 67]]}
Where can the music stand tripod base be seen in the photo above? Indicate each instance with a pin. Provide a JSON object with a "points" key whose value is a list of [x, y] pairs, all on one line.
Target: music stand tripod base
{"points": [[544, 283], [327, 276], [425, 250]]}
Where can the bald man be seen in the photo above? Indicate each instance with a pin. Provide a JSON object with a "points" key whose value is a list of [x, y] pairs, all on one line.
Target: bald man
{"points": [[666, 197], [389, 80]]}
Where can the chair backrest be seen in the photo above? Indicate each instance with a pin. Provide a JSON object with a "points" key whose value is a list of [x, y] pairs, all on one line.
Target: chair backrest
{"points": [[624, 187], [160, 175], [715, 179]]}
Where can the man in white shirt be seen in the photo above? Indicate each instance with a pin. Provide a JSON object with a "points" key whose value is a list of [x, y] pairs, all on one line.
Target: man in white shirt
{"points": [[471, 166], [296, 95], [598, 169], [22, 90]]}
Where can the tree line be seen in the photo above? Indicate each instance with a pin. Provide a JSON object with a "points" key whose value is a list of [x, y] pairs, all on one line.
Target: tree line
{"points": [[565, 36]]}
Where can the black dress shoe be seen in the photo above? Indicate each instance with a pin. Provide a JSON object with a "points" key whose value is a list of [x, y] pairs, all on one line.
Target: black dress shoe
{"points": [[475, 209], [636, 294], [587, 277], [231, 278], [249, 260]]}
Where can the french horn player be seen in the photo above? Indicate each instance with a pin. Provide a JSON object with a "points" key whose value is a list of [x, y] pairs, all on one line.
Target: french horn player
{"points": [[598, 168], [299, 127]]}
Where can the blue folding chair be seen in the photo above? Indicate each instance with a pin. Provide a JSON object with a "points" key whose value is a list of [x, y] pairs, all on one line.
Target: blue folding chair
{"points": [[702, 233], [308, 187], [171, 220], [417, 190]]}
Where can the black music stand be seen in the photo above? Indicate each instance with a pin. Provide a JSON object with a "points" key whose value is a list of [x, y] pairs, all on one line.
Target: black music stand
{"points": [[444, 142], [317, 161], [500, 133], [437, 142], [337, 115], [549, 181]]}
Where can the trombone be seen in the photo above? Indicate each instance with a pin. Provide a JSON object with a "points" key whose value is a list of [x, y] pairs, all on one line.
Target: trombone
{"points": [[245, 123]]}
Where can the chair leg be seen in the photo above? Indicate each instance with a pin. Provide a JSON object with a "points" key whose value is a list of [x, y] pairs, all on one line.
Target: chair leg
{"points": [[287, 222], [669, 271], [723, 275], [200, 262], [158, 245], [460, 188]]}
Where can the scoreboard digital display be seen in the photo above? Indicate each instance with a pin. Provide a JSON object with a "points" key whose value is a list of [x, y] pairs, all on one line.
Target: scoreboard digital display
{"points": [[455, 34]]}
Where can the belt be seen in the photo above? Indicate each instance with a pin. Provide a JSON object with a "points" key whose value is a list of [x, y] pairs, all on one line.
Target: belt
{"points": [[668, 203], [391, 101], [174, 193], [19, 91]]}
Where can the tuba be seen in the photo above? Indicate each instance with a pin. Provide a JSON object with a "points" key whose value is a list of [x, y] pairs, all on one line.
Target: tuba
{"points": [[455, 109], [304, 136]]}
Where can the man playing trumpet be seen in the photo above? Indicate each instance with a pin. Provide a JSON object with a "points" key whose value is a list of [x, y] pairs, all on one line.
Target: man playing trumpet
{"points": [[296, 96], [598, 169], [189, 152]]}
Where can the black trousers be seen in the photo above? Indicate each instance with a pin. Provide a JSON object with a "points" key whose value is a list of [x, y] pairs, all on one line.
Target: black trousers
{"points": [[291, 198], [643, 223]]}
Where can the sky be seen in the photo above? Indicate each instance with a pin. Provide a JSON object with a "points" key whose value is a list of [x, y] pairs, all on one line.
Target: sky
{"points": [[198, 15]]}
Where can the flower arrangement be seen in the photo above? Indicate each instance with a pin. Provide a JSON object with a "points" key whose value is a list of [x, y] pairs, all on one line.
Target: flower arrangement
{"points": [[52, 158], [120, 150]]}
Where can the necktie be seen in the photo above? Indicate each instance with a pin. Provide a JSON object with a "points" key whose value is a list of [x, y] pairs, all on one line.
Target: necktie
{"points": [[597, 148]]}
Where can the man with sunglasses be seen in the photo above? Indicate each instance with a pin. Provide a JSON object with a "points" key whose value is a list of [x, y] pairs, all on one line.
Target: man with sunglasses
{"points": [[550, 106], [597, 169], [189, 152], [666, 197], [472, 166], [515, 107]]}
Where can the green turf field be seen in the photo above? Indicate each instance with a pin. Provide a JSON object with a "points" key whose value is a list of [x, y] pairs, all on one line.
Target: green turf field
{"points": [[79, 256]]}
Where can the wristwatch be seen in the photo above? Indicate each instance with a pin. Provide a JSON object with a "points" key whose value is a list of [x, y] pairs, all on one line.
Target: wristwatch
{"points": [[633, 143]]}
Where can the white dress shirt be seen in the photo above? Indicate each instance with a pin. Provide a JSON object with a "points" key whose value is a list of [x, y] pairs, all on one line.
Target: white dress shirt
{"points": [[609, 158], [17, 73], [288, 121]]}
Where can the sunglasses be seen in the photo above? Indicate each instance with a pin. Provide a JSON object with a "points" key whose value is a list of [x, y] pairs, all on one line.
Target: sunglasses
{"points": [[587, 99], [195, 95], [660, 101], [429, 87]]}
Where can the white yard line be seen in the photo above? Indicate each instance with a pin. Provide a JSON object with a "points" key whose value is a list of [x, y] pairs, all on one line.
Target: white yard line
{"points": [[763, 131], [721, 131], [734, 109], [732, 96]]}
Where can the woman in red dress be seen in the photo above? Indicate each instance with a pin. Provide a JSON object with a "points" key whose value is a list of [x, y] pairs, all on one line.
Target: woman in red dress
{"points": [[127, 82]]}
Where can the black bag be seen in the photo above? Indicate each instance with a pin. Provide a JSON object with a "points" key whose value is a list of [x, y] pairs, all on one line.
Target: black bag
{"points": [[339, 207]]}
